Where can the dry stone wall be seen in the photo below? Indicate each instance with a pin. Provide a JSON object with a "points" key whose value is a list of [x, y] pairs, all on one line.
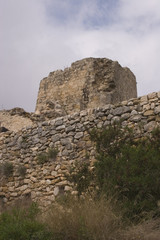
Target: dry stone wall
{"points": [[44, 182], [88, 83]]}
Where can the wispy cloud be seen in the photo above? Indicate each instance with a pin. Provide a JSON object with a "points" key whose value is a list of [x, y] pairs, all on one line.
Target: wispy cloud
{"points": [[40, 36]]}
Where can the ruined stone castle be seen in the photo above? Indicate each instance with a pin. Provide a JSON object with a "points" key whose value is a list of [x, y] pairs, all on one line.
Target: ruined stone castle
{"points": [[91, 93], [88, 83]]}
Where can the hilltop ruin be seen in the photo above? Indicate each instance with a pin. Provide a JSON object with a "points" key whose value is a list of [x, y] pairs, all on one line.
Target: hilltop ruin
{"points": [[88, 83]]}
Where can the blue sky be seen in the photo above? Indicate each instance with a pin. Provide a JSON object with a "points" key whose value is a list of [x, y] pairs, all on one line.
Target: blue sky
{"points": [[91, 14], [40, 36]]}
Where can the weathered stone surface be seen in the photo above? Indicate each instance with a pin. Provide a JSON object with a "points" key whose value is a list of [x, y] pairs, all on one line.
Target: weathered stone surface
{"points": [[117, 111], [136, 118], [55, 138], [65, 141], [144, 98], [88, 83], [148, 113], [14, 122], [157, 110], [44, 182], [150, 126], [56, 191], [78, 135], [152, 95]]}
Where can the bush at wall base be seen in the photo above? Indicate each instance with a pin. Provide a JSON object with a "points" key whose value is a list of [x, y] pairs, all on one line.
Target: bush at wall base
{"points": [[127, 168]]}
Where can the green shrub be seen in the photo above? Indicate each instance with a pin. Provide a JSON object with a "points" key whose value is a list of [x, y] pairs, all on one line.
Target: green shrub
{"points": [[6, 169], [128, 169], [20, 224], [22, 170], [42, 158], [52, 153], [81, 176], [47, 156]]}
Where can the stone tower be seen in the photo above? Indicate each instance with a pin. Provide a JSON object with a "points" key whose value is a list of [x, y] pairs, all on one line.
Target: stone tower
{"points": [[88, 83]]}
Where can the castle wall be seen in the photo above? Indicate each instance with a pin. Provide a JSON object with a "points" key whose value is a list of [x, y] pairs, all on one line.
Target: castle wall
{"points": [[43, 183], [88, 83]]}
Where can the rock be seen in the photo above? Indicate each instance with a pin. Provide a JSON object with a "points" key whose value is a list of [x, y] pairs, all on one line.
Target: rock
{"points": [[144, 98], [134, 112], [148, 113], [152, 95], [60, 127], [125, 116], [58, 167], [65, 141], [150, 126], [65, 152], [33, 195], [54, 173], [56, 191], [70, 128], [117, 111], [62, 183], [48, 182], [55, 138], [24, 187], [14, 194], [136, 118], [78, 135], [146, 107], [58, 122], [27, 181], [67, 188], [157, 110]]}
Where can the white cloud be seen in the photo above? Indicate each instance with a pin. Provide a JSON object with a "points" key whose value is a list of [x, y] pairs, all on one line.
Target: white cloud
{"points": [[39, 36]]}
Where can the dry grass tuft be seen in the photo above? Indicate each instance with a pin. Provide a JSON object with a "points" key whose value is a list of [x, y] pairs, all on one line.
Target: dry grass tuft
{"points": [[96, 220]]}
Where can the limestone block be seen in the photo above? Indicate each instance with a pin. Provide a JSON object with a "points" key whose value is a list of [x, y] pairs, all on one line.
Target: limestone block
{"points": [[144, 98], [148, 113], [150, 126], [54, 173], [136, 118], [56, 191], [14, 194], [157, 110], [152, 95], [67, 188], [78, 135]]}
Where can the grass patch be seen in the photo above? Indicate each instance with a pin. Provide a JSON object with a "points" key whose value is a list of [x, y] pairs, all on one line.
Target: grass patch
{"points": [[83, 219]]}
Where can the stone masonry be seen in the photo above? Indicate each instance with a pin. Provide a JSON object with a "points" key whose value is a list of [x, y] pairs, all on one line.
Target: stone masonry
{"points": [[88, 83], [44, 182]]}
